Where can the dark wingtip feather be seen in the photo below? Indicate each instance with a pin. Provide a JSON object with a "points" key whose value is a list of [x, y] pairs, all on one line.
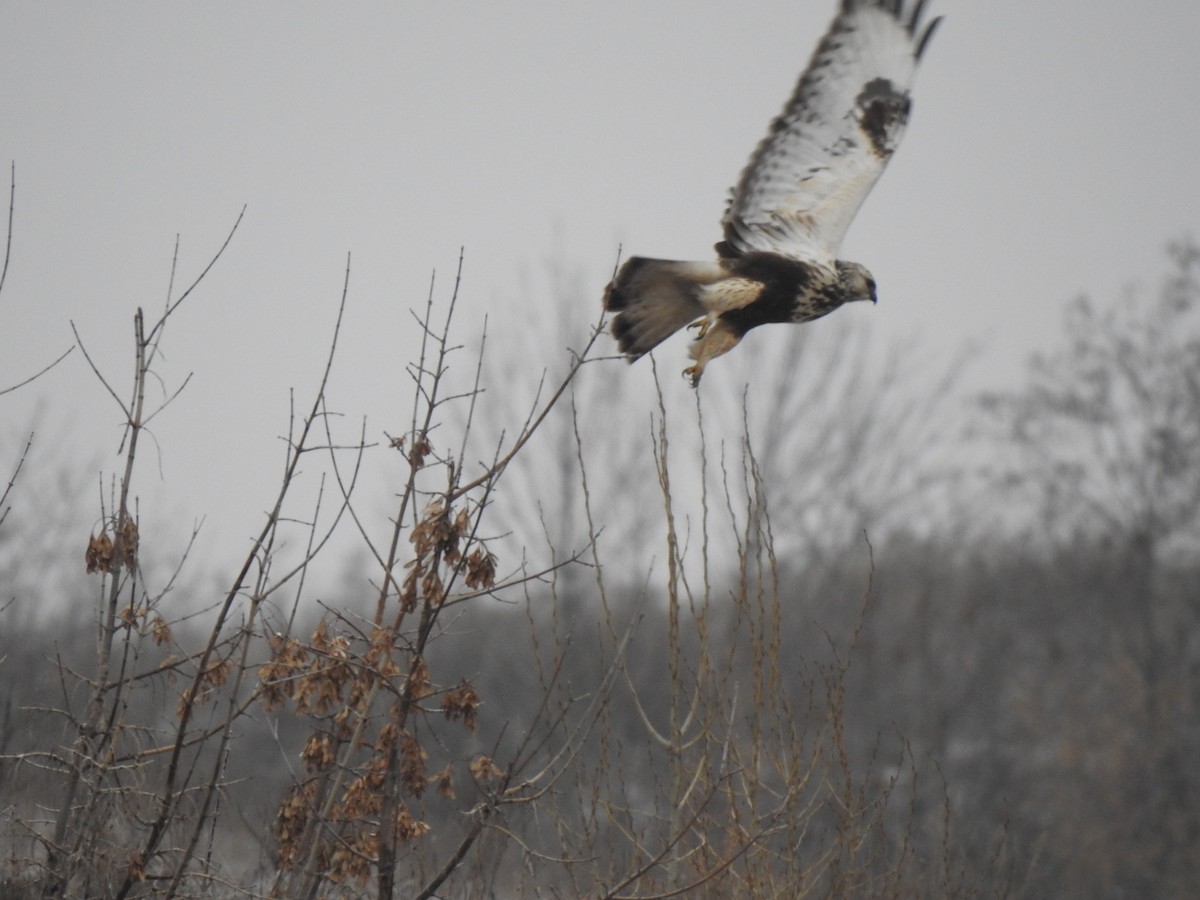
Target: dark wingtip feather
{"points": [[622, 330], [914, 26], [926, 35], [914, 21]]}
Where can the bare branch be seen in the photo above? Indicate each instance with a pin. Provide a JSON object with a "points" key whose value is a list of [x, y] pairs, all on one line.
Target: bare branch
{"points": [[12, 196], [37, 374]]}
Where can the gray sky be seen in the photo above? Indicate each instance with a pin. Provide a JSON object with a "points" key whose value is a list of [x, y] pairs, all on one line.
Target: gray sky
{"points": [[1053, 149]]}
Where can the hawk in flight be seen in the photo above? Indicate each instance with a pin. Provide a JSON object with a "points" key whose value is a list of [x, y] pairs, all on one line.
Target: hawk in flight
{"points": [[794, 200]]}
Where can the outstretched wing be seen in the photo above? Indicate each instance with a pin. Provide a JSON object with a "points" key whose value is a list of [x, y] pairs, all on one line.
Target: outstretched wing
{"points": [[828, 147]]}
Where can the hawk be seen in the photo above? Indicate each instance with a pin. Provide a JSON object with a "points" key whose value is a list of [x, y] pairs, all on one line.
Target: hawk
{"points": [[794, 200]]}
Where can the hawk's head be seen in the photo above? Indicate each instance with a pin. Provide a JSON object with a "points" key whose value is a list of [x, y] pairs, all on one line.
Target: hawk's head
{"points": [[856, 282]]}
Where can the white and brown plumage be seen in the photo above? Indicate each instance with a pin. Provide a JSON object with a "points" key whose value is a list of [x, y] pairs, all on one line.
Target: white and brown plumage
{"points": [[794, 200]]}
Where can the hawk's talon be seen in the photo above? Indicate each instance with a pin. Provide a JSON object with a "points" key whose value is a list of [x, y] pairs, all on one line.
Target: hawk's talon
{"points": [[702, 326], [692, 374]]}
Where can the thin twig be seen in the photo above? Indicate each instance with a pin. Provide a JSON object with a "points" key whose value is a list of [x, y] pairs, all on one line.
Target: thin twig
{"points": [[12, 196]]}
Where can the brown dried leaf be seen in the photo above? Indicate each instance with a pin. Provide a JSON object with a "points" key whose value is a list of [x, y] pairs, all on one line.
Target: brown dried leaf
{"points": [[99, 553], [483, 769], [388, 735], [462, 523], [319, 752], [408, 595], [321, 641], [432, 587], [481, 569], [350, 860], [421, 448], [288, 657], [433, 529], [360, 693], [460, 529], [364, 795], [407, 827], [412, 767], [188, 698], [291, 821], [379, 654], [216, 673], [129, 543], [418, 680], [461, 703], [444, 781], [342, 724]]}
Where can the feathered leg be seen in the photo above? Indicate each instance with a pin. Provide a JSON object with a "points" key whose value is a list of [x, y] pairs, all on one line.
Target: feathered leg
{"points": [[716, 337]]}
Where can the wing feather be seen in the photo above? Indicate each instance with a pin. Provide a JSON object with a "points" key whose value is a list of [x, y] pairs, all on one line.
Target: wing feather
{"points": [[808, 177]]}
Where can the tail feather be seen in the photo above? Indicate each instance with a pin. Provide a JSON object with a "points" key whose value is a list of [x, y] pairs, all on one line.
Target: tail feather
{"points": [[654, 298]]}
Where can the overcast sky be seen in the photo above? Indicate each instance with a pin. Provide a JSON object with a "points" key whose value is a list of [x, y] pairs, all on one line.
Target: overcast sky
{"points": [[1053, 149]]}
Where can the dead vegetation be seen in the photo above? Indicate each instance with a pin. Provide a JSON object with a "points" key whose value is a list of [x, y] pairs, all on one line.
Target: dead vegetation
{"points": [[471, 721]]}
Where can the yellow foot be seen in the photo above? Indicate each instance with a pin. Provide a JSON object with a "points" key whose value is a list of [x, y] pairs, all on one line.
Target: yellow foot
{"points": [[702, 325]]}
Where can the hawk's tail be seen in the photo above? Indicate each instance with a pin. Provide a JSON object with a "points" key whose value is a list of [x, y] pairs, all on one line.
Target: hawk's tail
{"points": [[654, 298]]}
